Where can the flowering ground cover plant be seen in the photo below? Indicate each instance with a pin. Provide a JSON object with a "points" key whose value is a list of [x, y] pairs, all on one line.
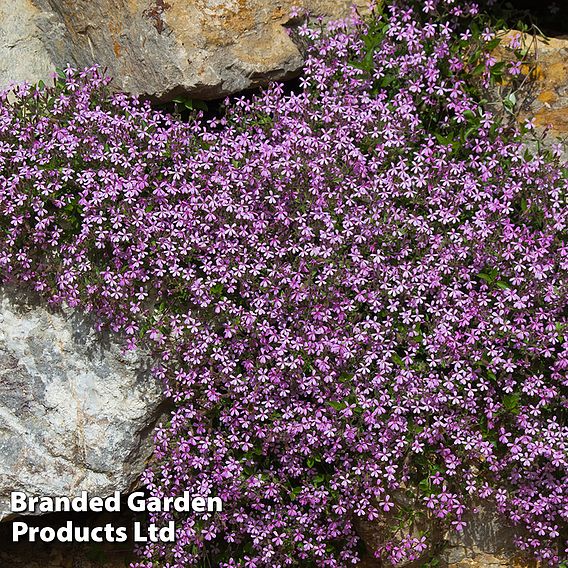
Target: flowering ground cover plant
{"points": [[356, 293]]}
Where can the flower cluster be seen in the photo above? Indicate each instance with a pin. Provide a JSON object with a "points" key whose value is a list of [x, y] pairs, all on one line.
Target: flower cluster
{"points": [[356, 293]]}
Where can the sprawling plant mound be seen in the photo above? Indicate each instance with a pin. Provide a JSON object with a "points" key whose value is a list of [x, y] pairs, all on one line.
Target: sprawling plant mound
{"points": [[356, 294]]}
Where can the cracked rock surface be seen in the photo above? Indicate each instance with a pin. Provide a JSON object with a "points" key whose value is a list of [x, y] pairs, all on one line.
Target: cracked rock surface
{"points": [[75, 412], [160, 48], [23, 56]]}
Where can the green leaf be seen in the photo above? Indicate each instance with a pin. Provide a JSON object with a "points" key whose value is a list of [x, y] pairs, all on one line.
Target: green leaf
{"points": [[494, 43], [485, 277], [397, 359], [387, 80], [498, 68], [470, 131], [445, 140], [478, 70], [469, 115], [511, 402], [295, 491], [318, 480], [191, 104], [217, 289]]}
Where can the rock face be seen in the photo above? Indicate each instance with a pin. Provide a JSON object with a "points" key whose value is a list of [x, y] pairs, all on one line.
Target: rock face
{"points": [[485, 542], [22, 54], [550, 103], [544, 96], [75, 413], [201, 48]]}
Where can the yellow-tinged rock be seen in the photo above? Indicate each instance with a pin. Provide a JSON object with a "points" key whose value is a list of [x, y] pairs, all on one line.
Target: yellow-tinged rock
{"points": [[163, 48], [545, 68]]}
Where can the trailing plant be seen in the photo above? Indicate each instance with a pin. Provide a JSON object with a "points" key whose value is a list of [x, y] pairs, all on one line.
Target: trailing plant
{"points": [[355, 293]]}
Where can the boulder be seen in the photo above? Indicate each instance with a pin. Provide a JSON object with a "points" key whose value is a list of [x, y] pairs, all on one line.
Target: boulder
{"points": [[76, 412], [163, 48], [23, 56], [543, 96], [486, 542]]}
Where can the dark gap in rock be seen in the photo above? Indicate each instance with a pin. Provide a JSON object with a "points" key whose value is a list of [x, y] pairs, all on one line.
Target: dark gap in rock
{"points": [[215, 108], [547, 16]]}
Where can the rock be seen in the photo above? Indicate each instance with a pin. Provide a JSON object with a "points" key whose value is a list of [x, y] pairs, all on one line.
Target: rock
{"points": [[162, 48], [75, 412], [486, 542], [544, 96], [22, 54]]}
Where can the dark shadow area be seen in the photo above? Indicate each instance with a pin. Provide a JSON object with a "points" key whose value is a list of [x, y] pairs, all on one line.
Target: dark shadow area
{"points": [[25, 554], [215, 108], [548, 16]]}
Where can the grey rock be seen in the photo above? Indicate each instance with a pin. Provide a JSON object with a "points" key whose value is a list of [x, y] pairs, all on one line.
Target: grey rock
{"points": [[23, 56], [486, 542], [76, 413]]}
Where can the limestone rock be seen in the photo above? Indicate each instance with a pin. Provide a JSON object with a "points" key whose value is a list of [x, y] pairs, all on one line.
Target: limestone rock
{"points": [[22, 54], [75, 412], [162, 48], [544, 95], [486, 542]]}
